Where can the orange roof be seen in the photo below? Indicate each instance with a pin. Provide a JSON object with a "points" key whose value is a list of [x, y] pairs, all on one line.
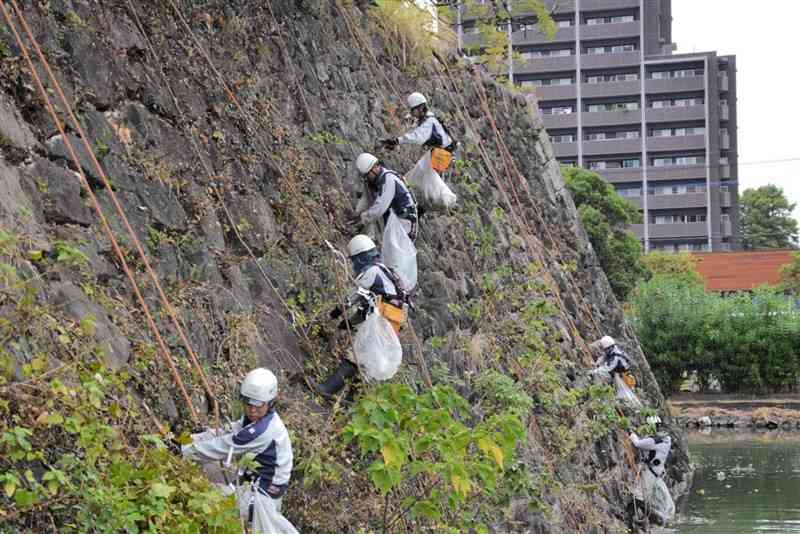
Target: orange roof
{"points": [[736, 271]]}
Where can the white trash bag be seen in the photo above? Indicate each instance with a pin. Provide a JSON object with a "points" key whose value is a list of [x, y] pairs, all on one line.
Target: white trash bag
{"points": [[267, 518], [654, 492], [377, 349], [625, 394], [399, 252], [431, 187]]}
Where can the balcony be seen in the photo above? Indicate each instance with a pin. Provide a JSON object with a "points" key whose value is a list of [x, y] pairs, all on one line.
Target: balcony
{"points": [[725, 171], [598, 5], [610, 31], [564, 150], [610, 61], [672, 231], [611, 118], [688, 113], [556, 92], [590, 90], [568, 120], [677, 172], [612, 146], [675, 85], [686, 200], [545, 64], [725, 199], [723, 83], [676, 143], [725, 141], [726, 227], [531, 37], [724, 113], [619, 176]]}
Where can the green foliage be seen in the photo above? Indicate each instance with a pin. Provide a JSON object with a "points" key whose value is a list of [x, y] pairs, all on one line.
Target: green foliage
{"points": [[69, 255], [425, 438], [490, 46], [766, 219], [409, 32], [64, 456], [749, 342], [605, 217], [682, 265], [502, 394], [790, 275]]}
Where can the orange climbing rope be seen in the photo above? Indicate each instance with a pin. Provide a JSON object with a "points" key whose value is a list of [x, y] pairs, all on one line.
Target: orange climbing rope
{"points": [[101, 173], [165, 353]]}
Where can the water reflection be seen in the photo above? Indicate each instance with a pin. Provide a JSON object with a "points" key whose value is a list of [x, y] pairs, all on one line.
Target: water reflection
{"points": [[745, 482]]}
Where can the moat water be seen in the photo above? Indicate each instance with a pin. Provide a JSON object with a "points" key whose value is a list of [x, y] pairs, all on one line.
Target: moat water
{"points": [[745, 482]]}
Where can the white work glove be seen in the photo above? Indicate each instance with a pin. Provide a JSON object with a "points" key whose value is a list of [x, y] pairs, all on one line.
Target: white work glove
{"points": [[634, 437]]}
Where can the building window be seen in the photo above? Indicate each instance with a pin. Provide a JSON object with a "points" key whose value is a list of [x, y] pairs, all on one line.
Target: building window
{"points": [[557, 110], [631, 163], [677, 103], [563, 138], [565, 23], [680, 73], [681, 218], [677, 132], [629, 191], [594, 21], [613, 106]]}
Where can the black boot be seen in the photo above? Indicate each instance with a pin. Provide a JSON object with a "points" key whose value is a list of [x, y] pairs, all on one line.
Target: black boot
{"points": [[336, 381]]}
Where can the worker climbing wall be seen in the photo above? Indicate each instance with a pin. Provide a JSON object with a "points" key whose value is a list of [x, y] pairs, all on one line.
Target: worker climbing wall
{"points": [[228, 132]]}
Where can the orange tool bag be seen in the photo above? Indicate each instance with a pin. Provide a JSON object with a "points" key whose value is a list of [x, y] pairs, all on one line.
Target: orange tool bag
{"points": [[396, 316], [629, 379], [440, 159]]}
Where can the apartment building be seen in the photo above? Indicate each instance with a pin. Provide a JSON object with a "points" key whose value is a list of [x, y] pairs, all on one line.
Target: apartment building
{"points": [[661, 127]]}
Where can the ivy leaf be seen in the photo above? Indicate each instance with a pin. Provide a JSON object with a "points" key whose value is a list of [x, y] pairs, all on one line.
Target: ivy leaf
{"points": [[159, 489], [492, 449], [393, 454], [9, 487], [462, 485]]}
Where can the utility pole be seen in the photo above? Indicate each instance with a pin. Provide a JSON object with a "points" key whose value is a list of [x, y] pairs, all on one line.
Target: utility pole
{"points": [[507, 6]]}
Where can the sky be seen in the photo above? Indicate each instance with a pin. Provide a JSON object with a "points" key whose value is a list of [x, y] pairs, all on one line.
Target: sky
{"points": [[768, 79]]}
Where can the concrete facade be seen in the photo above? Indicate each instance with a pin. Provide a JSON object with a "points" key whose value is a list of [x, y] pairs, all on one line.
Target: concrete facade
{"points": [[659, 126]]}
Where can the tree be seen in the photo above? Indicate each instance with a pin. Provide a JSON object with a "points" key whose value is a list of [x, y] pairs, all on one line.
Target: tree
{"points": [[491, 20], [605, 217], [682, 266], [790, 275], [766, 219]]}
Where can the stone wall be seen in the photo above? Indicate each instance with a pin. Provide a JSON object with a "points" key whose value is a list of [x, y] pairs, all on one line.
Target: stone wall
{"points": [[235, 204]]}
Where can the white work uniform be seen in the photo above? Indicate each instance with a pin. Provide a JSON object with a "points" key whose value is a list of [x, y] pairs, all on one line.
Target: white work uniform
{"points": [[269, 441], [651, 487], [423, 176]]}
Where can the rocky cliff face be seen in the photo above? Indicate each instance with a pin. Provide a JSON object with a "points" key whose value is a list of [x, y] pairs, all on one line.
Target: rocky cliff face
{"points": [[235, 201]]}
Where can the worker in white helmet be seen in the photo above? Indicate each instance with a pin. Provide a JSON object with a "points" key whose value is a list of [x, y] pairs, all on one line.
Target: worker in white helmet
{"points": [[652, 499], [389, 192], [615, 365], [261, 433], [373, 279], [613, 360], [431, 133]]}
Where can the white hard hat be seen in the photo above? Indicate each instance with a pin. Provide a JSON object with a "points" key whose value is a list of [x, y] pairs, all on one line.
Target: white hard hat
{"points": [[365, 162], [653, 420], [260, 385], [360, 243], [416, 99], [607, 341]]}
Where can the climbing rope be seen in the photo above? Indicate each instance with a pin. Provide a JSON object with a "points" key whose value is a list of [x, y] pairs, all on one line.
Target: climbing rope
{"points": [[164, 351], [121, 213]]}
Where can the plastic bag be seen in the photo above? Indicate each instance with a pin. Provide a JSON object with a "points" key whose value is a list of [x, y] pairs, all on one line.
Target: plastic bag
{"points": [[654, 492], [399, 252], [625, 394], [267, 518], [377, 348], [430, 185]]}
